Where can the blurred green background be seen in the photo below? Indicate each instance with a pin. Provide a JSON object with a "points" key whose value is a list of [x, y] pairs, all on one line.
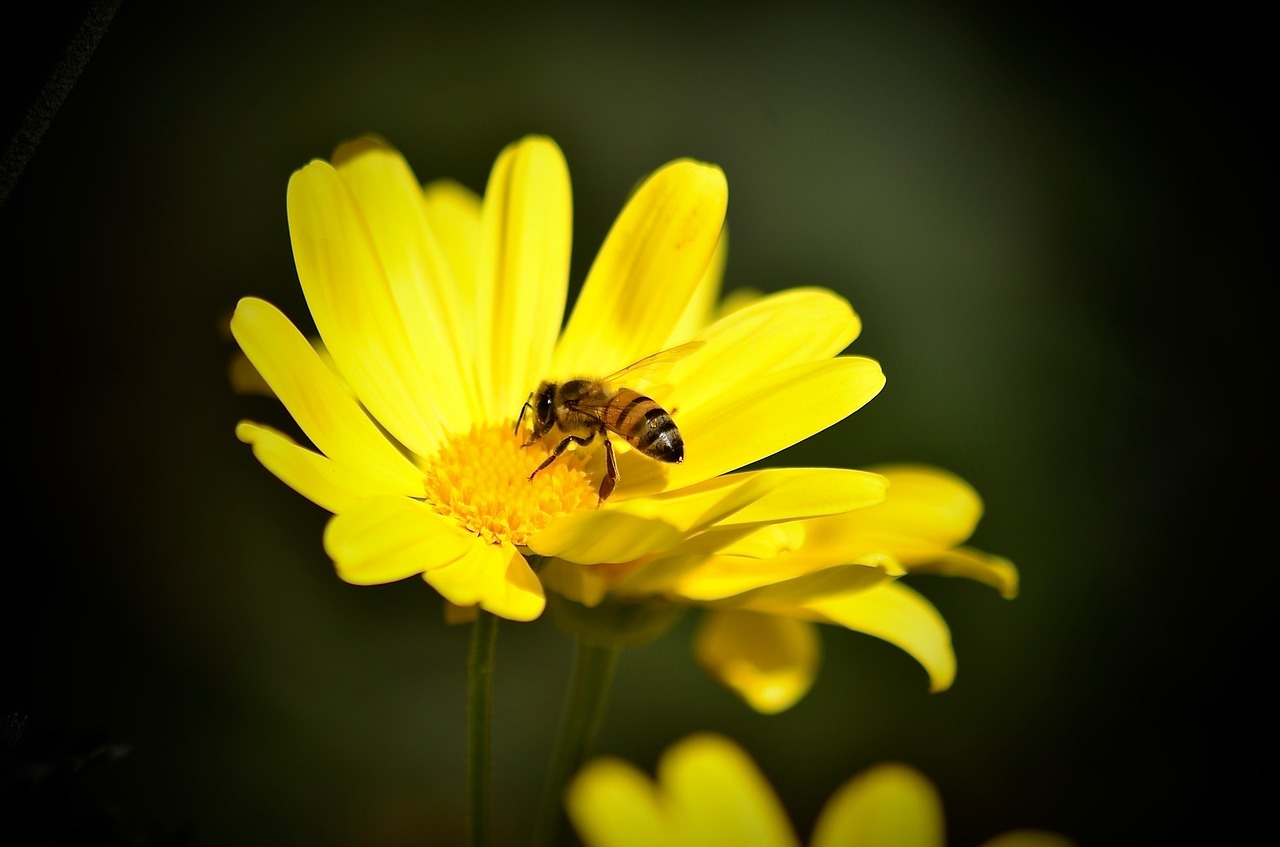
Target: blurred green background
{"points": [[1056, 225]]}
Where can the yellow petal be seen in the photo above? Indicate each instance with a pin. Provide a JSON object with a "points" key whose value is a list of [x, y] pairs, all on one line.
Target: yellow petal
{"points": [[765, 542], [702, 305], [496, 578], [995, 571], [245, 379], [585, 585], [926, 513], [889, 805], [326, 483], [738, 500], [717, 797], [798, 493], [613, 804], [603, 536], [523, 272], [647, 270], [767, 496], [1029, 838], [758, 581], [384, 539], [316, 398], [780, 590], [897, 614], [774, 333], [355, 310], [453, 214], [421, 279], [767, 660], [926, 506], [759, 419]]}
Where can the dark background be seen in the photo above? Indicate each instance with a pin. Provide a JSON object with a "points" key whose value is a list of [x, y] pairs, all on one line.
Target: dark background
{"points": [[1058, 227]]}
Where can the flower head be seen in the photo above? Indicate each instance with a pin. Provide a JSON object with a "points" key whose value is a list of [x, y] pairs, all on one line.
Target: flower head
{"points": [[709, 792], [443, 313]]}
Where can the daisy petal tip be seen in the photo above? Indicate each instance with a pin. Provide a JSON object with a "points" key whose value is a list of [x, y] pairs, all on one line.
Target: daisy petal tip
{"points": [[523, 597]]}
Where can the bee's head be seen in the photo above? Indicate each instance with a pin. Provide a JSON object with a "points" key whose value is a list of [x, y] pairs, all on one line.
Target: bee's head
{"points": [[542, 402]]}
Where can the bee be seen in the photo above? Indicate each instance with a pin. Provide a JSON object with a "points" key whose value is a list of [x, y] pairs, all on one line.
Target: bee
{"points": [[585, 407]]}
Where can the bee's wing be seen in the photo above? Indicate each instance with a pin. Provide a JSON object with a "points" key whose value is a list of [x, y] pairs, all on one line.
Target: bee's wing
{"points": [[652, 367], [601, 405]]}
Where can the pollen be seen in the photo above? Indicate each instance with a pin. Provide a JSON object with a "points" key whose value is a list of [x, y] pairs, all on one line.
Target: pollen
{"points": [[481, 480]]}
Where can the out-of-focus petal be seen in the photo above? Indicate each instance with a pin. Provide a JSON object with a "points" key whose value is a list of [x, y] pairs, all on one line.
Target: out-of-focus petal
{"points": [[316, 398], [738, 298], [889, 805], [385, 539], [245, 379], [768, 661], [585, 585], [614, 804], [716, 796], [522, 273], [661, 242]]}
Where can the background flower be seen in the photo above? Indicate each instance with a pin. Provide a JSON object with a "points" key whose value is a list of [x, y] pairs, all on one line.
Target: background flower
{"points": [[1056, 228], [708, 792]]}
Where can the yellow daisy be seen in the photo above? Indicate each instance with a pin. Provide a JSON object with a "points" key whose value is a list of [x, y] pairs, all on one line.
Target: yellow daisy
{"points": [[709, 792], [443, 313]]}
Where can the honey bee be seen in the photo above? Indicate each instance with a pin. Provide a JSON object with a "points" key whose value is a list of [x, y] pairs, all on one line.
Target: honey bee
{"points": [[585, 407]]}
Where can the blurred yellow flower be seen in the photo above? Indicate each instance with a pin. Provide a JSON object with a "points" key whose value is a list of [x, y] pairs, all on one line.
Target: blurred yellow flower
{"points": [[442, 313], [709, 792], [767, 589]]}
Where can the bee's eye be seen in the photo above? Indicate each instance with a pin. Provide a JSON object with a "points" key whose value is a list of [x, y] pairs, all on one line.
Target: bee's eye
{"points": [[544, 405]]}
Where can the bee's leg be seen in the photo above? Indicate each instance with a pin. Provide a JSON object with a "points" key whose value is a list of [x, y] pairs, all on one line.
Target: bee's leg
{"points": [[520, 419], [560, 448], [610, 472]]}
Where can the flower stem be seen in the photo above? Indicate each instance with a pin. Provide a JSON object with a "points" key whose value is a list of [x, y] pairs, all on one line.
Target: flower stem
{"points": [[593, 667], [484, 636]]}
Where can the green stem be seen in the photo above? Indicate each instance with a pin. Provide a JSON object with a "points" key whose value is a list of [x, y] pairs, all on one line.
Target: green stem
{"points": [[593, 667], [484, 636]]}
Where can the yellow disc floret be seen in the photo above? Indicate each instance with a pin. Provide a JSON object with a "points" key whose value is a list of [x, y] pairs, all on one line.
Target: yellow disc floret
{"points": [[481, 479]]}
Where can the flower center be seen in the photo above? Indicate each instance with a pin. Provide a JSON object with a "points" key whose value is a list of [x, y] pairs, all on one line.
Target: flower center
{"points": [[481, 480]]}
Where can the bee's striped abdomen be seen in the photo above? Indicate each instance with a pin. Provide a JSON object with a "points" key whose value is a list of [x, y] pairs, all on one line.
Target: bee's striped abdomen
{"points": [[647, 427]]}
